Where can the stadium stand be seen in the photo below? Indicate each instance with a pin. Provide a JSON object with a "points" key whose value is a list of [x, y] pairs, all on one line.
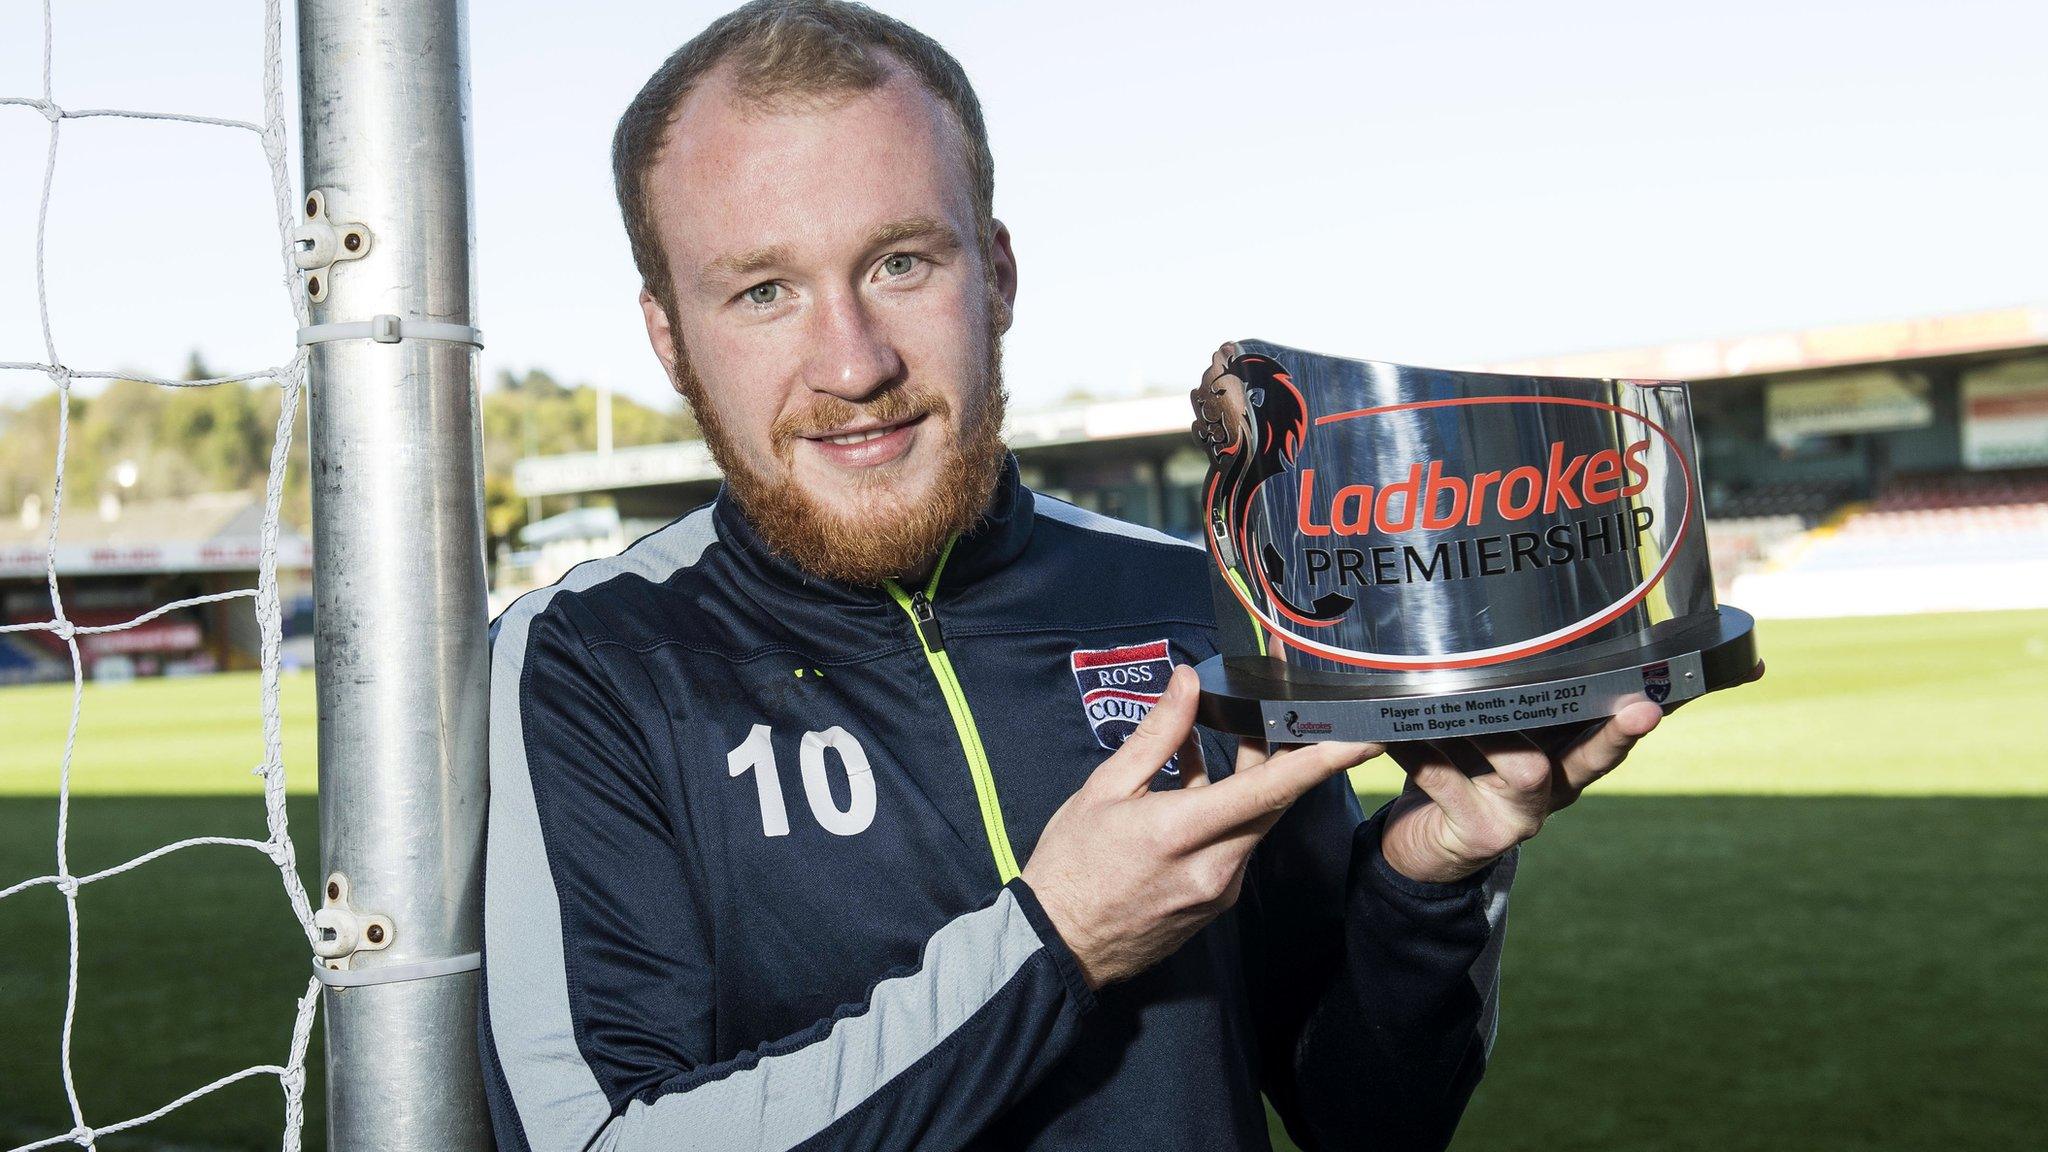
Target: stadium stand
{"points": [[1808, 501], [1740, 544], [22, 663], [1925, 543], [2019, 488], [122, 558]]}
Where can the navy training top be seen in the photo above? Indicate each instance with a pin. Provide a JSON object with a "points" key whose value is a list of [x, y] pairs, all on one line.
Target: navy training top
{"points": [[750, 877]]}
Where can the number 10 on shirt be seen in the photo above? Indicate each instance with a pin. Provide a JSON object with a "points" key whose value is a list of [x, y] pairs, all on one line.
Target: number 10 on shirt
{"points": [[757, 754]]}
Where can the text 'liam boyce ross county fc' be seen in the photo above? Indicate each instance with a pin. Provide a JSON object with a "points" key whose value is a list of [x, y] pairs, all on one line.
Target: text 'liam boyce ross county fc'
{"points": [[1432, 501]]}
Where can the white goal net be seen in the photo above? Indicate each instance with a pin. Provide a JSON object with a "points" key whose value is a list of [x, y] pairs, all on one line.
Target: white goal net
{"points": [[65, 367]]}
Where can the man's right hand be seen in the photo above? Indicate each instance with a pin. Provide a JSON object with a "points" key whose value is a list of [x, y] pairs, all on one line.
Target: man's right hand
{"points": [[1127, 874]]}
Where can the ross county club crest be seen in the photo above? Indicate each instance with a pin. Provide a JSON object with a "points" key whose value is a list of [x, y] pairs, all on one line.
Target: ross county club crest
{"points": [[1119, 686], [1657, 681]]}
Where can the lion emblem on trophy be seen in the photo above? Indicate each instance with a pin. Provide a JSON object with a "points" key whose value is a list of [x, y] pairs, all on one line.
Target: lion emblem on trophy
{"points": [[1254, 423]]}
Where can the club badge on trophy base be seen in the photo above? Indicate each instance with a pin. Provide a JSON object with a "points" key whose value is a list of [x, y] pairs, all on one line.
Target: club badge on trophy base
{"points": [[1421, 554]]}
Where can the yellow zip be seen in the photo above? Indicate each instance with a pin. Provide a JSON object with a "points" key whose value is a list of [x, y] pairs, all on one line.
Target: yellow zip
{"points": [[963, 717]]}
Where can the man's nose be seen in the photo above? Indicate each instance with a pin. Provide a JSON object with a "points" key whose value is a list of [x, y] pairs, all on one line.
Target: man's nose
{"points": [[852, 355]]}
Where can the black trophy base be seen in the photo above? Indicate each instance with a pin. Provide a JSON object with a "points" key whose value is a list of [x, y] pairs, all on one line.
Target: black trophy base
{"points": [[1677, 661]]}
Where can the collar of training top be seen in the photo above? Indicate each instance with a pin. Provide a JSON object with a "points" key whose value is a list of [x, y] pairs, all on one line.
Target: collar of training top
{"points": [[999, 538]]}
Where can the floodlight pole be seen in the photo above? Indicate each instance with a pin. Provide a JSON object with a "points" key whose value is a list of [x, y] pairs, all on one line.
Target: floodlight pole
{"points": [[399, 592]]}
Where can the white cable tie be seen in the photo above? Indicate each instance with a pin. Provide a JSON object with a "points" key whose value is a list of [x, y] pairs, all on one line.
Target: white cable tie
{"points": [[388, 329], [396, 973]]}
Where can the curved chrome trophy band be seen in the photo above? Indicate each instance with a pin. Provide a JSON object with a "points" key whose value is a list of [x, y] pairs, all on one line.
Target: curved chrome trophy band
{"points": [[1422, 554]]}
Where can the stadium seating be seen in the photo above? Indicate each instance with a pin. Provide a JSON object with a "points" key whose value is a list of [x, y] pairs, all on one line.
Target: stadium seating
{"points": [[1924, 544], [1810, 501], [21, 662], [1965, 491], [1739, 544]]}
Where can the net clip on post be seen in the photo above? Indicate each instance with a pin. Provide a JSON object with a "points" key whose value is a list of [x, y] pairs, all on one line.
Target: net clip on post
{"points": [[340, 931], [318, 244]]}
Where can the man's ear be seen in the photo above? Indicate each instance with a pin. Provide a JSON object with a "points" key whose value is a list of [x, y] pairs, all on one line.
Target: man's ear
{"points": [[1003, 263], [659, 333]]}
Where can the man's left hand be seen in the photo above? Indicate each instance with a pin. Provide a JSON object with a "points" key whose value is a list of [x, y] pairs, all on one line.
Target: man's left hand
{"points": [[1470, 800]]}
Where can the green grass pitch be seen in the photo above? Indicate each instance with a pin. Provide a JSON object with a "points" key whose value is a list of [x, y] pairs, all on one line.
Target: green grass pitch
{"points": [[1807, 914]]}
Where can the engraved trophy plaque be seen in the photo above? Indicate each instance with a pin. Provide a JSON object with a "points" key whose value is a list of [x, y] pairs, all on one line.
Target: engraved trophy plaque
{"points": [[1419, 554]]}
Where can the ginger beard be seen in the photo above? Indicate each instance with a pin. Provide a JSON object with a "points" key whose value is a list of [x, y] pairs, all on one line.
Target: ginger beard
{"points": [[894, 533]]}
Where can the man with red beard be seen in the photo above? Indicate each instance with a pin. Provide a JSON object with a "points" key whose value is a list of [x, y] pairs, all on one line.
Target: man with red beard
{"points": [[864, 808]]}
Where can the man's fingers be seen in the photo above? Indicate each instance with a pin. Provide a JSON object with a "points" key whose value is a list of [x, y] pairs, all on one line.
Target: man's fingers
{"points": [[1597, 755], [1251, 754], [1266, 792], [1194, 768], [1436, 773], [1129, 770], [1511, 757]]}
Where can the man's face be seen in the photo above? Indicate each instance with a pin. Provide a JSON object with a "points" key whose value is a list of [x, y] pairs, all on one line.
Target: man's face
{"points": [[835, 322]]}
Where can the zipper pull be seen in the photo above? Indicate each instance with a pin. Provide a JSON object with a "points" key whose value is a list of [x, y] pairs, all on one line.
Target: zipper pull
{"points": [[927, 622]]}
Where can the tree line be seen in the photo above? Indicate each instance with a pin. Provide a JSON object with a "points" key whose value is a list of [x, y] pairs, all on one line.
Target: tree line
{"points": [[141, 441]]}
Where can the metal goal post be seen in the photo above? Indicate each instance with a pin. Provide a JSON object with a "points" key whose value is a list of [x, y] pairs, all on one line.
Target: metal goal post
{"points": [[384, 247]]}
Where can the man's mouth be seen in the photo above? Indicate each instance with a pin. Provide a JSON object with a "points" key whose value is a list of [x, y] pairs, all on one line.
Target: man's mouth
{"points": [[861, 437], [866, 445]]}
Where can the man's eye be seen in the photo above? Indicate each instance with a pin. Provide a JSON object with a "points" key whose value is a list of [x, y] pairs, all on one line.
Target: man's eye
{"points": [[764, 293], [899, 264]]}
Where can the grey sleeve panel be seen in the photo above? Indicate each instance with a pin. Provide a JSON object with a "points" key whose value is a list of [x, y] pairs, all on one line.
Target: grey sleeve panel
{"points": [[556, 1093], [1056, 509], [785, 1099], [1486, 970]]}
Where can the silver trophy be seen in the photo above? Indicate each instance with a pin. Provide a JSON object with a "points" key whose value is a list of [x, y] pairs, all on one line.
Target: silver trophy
{"points": [[1418, 554]]}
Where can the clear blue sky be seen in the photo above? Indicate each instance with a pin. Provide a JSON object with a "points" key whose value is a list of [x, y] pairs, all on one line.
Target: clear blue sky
{"points": [[1431, 182]]}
